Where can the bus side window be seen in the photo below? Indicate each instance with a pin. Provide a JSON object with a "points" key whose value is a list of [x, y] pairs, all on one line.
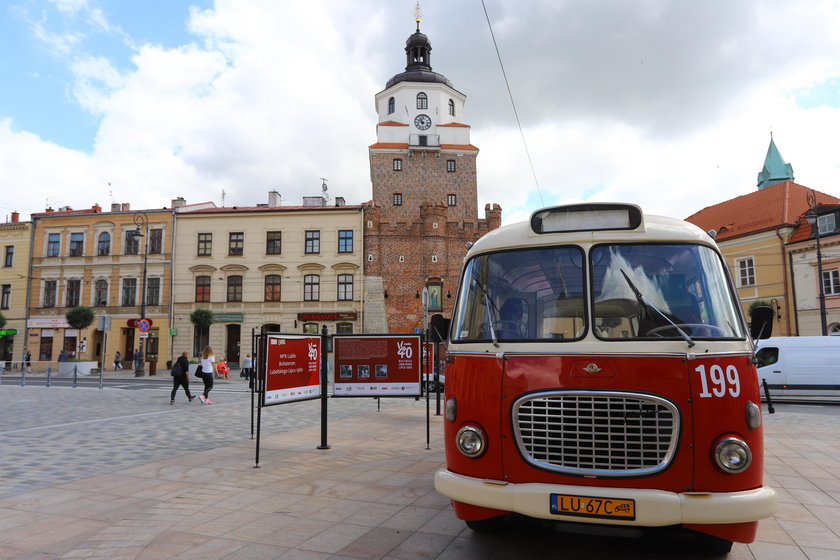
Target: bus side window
{"points": [[767, 356]]}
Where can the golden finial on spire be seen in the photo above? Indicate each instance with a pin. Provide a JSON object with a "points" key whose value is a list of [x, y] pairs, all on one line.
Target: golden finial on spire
{"points": [[418, 15]]}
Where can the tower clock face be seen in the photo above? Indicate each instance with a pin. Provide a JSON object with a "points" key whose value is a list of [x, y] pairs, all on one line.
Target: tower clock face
{"points": [[423, 122]]}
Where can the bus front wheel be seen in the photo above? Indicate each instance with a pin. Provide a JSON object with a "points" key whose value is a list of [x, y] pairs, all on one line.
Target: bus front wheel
{"points": [[489, 525]]}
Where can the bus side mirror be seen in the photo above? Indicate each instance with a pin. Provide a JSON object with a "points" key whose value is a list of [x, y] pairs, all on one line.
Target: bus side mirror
{"points": [[439, 328], [761, 325]]}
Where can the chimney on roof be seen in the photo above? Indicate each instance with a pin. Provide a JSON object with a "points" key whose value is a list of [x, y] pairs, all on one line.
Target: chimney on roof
{"points": [[15, 217], [96, 208], [274, 199], [125, 207], [49, 209], [339, 201], [64, 209], [178, 202], [115, 207], [314, 201]]}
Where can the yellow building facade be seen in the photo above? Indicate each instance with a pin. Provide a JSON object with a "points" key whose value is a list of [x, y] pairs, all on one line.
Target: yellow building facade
{"points": [[15, 239]]}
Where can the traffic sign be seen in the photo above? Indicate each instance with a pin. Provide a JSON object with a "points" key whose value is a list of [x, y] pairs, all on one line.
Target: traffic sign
{"points": [[133, 322], [144, 334], [143, 325]]}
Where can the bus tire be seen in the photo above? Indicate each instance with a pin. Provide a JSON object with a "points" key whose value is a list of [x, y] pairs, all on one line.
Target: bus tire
{"points": [[713, 545], [489, 525]]}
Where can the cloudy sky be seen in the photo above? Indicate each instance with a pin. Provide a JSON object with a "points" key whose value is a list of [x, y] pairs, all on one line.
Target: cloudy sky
{"points": [[667, 104]]}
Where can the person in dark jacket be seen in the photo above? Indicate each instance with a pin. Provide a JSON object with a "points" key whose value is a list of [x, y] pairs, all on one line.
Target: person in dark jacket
{"points": [[180, 377]]}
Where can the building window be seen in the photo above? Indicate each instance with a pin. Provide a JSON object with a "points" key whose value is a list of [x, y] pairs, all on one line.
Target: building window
{"points": [[77, 244], [272, 287], [152, 291], [422, 101], [155, 241], [205, 244], [344, 328], [49, 293], [831, 282], [391, 105], [450, 165], [9, 257], [273, 242], [746, 272], [6, 296], [313, 242], [73, 289], [397, 164], [345, 241], [397, 199], [129, 292], [451, 108], [826, 224], [311, 287], [202, 288], [451, 200], [345, 287], [201, 339], [103, 248], [132, 242], [311, 328], [235, 243], [100, 293], [234, 288], [53, 244]]}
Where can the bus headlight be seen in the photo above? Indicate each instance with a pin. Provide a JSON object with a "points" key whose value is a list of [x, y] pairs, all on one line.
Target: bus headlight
{"points": [[471, 441], [753, 415], [732, 455]]}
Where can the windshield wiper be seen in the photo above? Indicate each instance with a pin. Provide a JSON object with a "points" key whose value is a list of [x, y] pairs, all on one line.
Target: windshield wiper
{"points": [[489, 306], [646, 303]]}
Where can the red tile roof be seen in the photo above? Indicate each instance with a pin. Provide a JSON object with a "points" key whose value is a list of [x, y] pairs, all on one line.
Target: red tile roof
{"points": [[390, 145], [762, 210], [240, 209], [455, 124], [458, 147], [392, 123], [804, 230]]}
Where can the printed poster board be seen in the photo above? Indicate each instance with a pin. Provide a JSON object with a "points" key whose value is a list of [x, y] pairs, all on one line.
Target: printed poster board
{"points": [[292, 368], [377, 365]]}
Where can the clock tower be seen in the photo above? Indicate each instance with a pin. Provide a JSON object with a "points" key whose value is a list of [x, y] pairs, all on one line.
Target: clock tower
{"points": [[424, 205]]}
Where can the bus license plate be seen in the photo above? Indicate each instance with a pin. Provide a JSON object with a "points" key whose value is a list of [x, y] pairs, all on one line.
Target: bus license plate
{"points": [[590, 506]]}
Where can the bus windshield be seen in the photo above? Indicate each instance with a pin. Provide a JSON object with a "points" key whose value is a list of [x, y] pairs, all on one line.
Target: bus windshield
{"points": [[658, 290], [638, 291]]}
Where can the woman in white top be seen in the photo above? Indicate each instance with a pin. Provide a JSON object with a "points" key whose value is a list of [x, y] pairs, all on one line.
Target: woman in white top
{"points": [[207, 369]]}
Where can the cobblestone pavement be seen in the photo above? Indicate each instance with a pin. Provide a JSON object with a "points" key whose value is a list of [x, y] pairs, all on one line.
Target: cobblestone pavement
{"points": [[59, 434], [113, 473]]}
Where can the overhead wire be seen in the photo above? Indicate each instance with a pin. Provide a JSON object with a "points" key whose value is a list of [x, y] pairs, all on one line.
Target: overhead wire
{"points": [[513, 103]]}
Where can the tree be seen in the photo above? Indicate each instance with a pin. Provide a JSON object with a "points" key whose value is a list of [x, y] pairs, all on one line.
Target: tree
{"points": [[2, 321], [79, 317], [202, 319]]}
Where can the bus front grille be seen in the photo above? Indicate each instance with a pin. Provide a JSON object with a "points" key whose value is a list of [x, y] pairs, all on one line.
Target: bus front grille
{"points": [[595, 433]]}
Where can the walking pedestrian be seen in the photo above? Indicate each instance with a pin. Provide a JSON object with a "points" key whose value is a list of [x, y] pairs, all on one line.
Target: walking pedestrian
{"points": [[62, 356], [246, 366], [27, 362], [117, 361], [207, 371], [138, 359], [180, 377]]}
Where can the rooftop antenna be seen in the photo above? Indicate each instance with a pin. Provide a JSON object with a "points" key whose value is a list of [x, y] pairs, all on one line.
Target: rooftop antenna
{"points": [[223, 198], [111, 192], [324, 188]]}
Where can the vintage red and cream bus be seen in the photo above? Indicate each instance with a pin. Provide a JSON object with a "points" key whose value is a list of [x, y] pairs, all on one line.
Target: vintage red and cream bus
{"points": [[600, 371]]}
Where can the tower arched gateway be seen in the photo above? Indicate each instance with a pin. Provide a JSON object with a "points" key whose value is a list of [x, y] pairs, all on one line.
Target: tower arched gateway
{"points": [[424, 206]]}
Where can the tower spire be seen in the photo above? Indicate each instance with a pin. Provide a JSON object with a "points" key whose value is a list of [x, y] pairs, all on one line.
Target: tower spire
{"points": [[775, 170], [418, 15]]}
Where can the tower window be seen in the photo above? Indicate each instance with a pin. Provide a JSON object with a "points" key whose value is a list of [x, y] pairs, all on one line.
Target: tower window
{"points": [[390, 105], [451, 200], [450, 165], [422, 101], [397, 164], [397, 199], [451, 108]]}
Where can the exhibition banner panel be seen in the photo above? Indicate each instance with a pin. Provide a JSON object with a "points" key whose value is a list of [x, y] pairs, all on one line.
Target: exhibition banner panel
{"points": [[378, 365], [292, 367]]}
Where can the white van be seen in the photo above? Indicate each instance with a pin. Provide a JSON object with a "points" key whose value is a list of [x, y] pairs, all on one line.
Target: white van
{"points": [[800, 365]]}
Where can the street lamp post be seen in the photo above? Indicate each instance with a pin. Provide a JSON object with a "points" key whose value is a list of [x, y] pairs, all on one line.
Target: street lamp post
{"points": [[813, 219], [141, 221]]}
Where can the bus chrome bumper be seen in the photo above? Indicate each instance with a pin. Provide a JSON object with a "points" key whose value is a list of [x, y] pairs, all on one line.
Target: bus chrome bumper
{"points": [[653, 508]]}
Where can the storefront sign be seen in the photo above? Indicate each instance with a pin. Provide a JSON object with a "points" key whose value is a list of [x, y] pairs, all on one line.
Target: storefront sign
{"points": [[343, 316], [292, 367], [8, 332], [381, 365], [48, 323], [228, 317]]}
